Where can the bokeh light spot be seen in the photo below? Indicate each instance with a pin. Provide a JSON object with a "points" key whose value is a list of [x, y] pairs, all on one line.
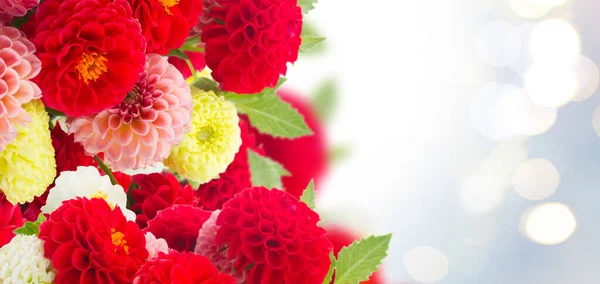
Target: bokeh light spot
{"points": [[549, 223], [536, 179], [426, 264]]}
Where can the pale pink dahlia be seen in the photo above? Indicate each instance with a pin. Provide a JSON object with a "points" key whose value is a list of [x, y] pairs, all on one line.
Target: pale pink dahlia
{"points": [[15, 8], [141, 130], [206, 246], [18, 65]]}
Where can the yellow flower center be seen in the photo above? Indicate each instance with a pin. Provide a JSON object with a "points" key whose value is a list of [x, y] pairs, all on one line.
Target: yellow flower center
{"points": [[91, 66], [118, 239], [168, 4], [204, 133]]}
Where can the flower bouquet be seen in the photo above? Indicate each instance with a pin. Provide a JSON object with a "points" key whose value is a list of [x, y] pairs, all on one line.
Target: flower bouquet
{"points": [[146, 141]]}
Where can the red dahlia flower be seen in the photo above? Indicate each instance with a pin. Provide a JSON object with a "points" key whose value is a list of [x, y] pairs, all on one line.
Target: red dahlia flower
{"points": [[92, 53], [179, 226], [69, 154], [157, 192], [182, 268], [88, 242], [236, 178], [251, 42], [10, 219], [305, 157], [341, 237], [166, 23], [274, 235]]}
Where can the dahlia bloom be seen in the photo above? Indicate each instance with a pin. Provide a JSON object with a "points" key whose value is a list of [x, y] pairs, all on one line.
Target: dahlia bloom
{"points": [[92, 52], [141, 130], [27, 165], [185, 268], [342, 237], [178, 225], [156, 192], [166, 23], [212, 142], [86, 182], [206, 245], [275, 236], [304, 157], [18, 65], [88, 242], [206, 18], [23, 261], [154, 245], [236, 177], [251, 42], [11, 218], [15, 8], [69, 154]]}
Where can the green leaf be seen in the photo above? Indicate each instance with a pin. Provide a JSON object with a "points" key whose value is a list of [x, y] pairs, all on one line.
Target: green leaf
{"points": [[308, 196], [358, 261], [324, 99], [179, 54], [310, 43], [309, 29], [307, 5], [206, 84], [271, 115], [327, 279], [338, 153], [264, 171], [31, 228]]}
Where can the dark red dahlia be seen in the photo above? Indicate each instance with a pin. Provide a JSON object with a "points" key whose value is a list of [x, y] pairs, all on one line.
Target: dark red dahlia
{"points": [[251, 42], [197, 59], [166, 23], [10, 219], [274, 235], [182, 268], [156, 192], [88, 242], [305, 157], [69, 154], [179, 226], [236, 178], [341, 237], [92, 53]]}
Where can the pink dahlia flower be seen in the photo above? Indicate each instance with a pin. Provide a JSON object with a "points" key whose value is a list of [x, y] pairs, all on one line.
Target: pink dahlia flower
{"points": [[18, 65], [141, 130], [15, 8], [206, 245]]}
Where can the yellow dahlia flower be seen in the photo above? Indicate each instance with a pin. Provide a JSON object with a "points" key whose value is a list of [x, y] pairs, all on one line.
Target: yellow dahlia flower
{"points": [[27, 165], [212, 142]]}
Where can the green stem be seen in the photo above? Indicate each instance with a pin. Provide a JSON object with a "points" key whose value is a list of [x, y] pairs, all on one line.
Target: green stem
{"points": [[106, 170], [191, 66], [192, 48]]}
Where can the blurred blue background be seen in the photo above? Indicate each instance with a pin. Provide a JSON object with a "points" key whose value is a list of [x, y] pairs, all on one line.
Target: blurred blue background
{"points": [[474, 133]]}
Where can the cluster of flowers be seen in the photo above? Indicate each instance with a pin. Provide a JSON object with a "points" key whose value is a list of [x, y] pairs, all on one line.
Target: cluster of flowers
{"points": [[102, 137]]}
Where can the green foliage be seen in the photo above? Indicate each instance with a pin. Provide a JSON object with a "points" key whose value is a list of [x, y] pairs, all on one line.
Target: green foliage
{"points": [[324, 99], [358, 261], [31, 228], [337, 153], [329, 275], [308, 196], [307, 5], [271, 115], [264, 171], [310, 43]]}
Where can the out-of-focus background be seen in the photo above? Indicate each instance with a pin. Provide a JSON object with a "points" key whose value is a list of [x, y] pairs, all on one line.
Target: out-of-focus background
{"points": [[473, 134]]}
